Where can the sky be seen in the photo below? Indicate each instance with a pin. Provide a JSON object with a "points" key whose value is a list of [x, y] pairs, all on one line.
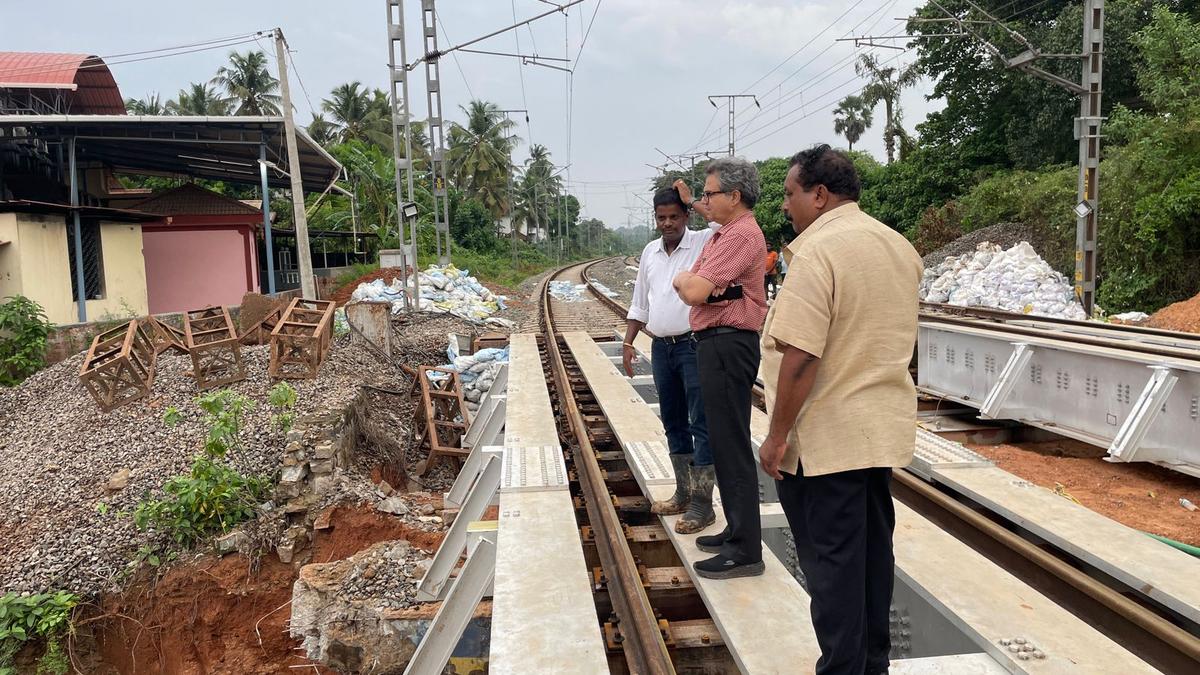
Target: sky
{"points": [[640, 84]]}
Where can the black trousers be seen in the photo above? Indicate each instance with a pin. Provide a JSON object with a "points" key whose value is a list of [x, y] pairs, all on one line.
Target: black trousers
{"points": [[843, 524], [728, 366]]}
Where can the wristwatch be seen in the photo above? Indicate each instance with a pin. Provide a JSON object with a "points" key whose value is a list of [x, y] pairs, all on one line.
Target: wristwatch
{"points": [[692, 205]]}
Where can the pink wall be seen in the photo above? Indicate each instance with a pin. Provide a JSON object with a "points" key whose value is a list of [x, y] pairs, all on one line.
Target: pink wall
{"points": [[190, 268]]}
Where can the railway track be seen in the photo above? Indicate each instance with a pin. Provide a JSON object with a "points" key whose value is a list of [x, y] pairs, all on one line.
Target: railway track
{"points": [[653, 620], [640, 626]]}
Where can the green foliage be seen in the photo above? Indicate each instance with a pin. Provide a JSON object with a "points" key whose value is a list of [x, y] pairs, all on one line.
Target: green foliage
{"points": [[213, 496], [356, 271], [769, 209], [283, 398], [224, 410], [23, 332], [210, 499], [44, 616], [172, 416]]}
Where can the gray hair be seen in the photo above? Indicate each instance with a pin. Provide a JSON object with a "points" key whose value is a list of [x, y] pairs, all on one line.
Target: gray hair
{"points": [[735, 173]]}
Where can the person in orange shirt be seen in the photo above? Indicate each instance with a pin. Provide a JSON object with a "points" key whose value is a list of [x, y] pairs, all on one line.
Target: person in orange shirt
{"points": [[769, 272]]}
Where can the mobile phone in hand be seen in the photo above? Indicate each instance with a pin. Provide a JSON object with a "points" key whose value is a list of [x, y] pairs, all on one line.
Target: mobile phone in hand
{"points": [[731, 293]]}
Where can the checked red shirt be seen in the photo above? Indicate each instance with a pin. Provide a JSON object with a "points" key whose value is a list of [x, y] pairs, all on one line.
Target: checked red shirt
{"points": [[735, 254]]}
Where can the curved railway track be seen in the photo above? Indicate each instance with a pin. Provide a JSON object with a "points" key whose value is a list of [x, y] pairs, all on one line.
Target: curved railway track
{"points": [[1125, 614]]}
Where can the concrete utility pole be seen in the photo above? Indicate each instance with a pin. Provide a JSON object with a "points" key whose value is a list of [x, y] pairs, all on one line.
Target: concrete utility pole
{"points": [[402, 139], [307, 285], [732, 100], [437, 135], [1087, 129]]}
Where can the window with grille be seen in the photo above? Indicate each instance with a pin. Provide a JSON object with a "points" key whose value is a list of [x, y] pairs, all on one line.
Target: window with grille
{"points": [[93, 260]]}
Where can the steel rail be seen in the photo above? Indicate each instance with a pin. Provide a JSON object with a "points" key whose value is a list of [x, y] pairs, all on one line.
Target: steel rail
{"points": [[643, 645], [1139, 629]]}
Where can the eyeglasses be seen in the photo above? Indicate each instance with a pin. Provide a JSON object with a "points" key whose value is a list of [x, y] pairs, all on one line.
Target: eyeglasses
{"points": [[709, 193]]}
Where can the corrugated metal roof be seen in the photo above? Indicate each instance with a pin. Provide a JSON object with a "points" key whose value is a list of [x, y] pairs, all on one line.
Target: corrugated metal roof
{"points": [[93, 89], [193, 200]]}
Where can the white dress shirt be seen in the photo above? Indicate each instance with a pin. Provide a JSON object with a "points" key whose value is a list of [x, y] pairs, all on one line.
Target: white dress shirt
{"points": [[655, 302]]}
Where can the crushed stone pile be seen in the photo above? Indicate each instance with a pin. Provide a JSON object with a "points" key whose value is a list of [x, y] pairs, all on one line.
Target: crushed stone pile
{"points": [[70, 474], [1181, 316], [445, 289], [1015, 280], [1004, 235]]}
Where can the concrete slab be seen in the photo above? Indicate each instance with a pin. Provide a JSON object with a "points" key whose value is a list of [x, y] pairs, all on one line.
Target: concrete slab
{"points": [[1167, 575], [990, 605], [543, 616], [957, 664]]}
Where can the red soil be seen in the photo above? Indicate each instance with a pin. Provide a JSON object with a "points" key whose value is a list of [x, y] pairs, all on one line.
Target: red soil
{"points": [[1181, 316]]}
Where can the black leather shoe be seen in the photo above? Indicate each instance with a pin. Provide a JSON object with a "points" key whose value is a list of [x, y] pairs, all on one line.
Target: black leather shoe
{"points": [[720, 567], [711, 543]]}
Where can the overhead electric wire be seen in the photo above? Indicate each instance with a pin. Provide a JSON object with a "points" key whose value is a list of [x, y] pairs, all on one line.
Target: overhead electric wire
{"points": [[457, 64], [805, 46], [216, 43], [586, 33]]}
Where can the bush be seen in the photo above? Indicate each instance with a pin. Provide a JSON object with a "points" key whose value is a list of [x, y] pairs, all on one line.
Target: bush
{"points": [[23, 332], [44, 616], [937, 228], [213, 497]]}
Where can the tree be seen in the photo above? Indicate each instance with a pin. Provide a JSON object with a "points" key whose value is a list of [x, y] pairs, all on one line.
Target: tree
{"points": [[885, 84], [248, 84], [150, 105], [535, 189], [355, 114], [198, 99], [852, 118], [321, 130], [480, 155]]}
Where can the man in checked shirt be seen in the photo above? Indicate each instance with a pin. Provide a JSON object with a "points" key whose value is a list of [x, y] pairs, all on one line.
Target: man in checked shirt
{"points": [[729, 302]]}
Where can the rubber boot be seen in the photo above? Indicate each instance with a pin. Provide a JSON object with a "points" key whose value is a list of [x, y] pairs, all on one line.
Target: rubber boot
{"points": [[700, 511], [678, 502]]}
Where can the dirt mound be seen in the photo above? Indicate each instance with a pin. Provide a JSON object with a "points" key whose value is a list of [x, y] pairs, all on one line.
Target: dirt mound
{"points": [[216, 615], [342, 295], [1006, 235], [1181, 316]]}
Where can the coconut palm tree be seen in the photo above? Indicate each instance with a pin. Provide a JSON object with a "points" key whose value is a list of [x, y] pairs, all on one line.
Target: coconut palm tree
{"points": [[249, 86], [198, 99], [321, 131], [150, 105], [852, 118], [535, 189], [357, 114], [480, 157], [885, 84]]}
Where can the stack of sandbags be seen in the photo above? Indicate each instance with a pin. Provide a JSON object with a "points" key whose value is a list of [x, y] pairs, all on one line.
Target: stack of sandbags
{"points": [[1015, 280]]}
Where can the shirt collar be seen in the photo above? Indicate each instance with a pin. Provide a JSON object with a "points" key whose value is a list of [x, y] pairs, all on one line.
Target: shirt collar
{"points": [[686, 242], [841, 211]]}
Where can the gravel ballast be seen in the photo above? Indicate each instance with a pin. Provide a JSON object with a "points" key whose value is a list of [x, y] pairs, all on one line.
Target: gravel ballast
{"points": [[71, 475]]}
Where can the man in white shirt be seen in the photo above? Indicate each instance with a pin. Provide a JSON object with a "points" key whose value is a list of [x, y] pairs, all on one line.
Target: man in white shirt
{"points": [[656, 307]]}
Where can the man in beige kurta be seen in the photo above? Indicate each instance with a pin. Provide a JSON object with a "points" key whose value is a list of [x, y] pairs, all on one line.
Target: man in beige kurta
{"points": [[835, 353]]}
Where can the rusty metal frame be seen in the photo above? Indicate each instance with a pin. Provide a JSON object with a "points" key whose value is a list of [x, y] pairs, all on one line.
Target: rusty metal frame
{"points": [[212, 342], [301, 339], [438, 414], [119, 366]]}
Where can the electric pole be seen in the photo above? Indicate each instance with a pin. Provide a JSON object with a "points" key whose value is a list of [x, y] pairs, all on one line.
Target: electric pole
{"points": [[732, 102], [402, 143], [307, 286], [512, 227], [437, 136]]}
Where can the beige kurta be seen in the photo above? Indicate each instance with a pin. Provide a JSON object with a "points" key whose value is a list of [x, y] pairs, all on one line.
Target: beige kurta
{"points": [[850, 299]]}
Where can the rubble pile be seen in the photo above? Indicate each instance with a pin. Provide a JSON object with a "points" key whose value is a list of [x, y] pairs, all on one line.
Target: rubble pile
{"points": [[71, 474], [1015, 280], [445, 289]]}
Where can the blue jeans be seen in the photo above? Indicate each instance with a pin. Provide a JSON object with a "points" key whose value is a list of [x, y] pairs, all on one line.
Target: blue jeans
{"points": [[677, 379]]}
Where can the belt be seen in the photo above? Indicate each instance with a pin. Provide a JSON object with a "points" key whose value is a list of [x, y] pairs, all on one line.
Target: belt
{"points": [[676, 339], [719, 330]]}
